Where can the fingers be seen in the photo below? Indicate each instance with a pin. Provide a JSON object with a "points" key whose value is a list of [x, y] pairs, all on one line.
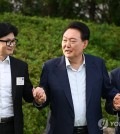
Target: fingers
{"points": [[39, 95], [33, 91], [116, 99], [116, 107], [116, 102]]}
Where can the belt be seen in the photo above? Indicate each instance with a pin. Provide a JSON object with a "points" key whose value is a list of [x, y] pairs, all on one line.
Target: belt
{"points": [[80, 130], [6, 119]]}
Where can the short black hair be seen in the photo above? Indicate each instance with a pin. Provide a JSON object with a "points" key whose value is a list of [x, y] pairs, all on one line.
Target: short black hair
{"points": [[6, 28], [83, 28]]}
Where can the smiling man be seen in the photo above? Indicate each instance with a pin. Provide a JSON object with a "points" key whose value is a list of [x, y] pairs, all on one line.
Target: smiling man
{"points": [[14, 83], [74, 84]]}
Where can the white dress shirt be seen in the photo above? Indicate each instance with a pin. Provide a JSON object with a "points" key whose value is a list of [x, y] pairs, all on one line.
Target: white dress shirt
{"points": [[6, 102], [77, 80]]}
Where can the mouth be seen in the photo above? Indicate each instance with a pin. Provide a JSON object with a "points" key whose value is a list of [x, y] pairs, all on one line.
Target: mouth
{"points": [[68, 51], [10, 49]]}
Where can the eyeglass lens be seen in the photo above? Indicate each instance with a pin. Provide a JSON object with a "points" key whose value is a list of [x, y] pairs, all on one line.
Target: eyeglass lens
{"points": [[11, 42]]}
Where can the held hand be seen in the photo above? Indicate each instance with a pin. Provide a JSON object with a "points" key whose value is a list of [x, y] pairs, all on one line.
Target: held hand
{"points": [[39, 95], [116, 102]]}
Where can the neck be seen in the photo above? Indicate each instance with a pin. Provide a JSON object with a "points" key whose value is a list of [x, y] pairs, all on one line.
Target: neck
{"points": [[2, 57], [75, 63]]}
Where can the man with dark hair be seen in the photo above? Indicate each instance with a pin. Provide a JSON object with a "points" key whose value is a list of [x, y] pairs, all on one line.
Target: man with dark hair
{"points": [[14, 83], [74, 84]]}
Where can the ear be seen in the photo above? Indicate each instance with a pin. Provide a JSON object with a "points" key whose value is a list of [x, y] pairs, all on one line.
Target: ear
{"points": [[85, 43]]}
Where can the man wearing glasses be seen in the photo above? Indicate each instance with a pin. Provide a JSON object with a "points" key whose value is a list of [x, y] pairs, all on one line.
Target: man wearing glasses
{"points": [[14, 83]]}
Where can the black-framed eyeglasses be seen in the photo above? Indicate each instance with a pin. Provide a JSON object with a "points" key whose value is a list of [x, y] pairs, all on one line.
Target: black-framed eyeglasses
{"points": [[10, 42]]}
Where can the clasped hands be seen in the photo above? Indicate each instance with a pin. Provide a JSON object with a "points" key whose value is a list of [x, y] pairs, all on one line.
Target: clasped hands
{"points": [[116, 102], [39, 95]]}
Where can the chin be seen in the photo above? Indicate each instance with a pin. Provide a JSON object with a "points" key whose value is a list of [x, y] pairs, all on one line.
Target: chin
{"points": [[67, 55], [10, 53]]}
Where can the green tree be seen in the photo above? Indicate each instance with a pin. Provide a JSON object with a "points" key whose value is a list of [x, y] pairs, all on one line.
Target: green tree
{"points": [[49, 8], [5, 6], [114, 11], [30, 7], [90, 10], [66, 8]]}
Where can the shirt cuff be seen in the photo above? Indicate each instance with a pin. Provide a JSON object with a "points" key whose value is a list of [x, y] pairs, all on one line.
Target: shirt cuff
{"points": [[36, 104]]}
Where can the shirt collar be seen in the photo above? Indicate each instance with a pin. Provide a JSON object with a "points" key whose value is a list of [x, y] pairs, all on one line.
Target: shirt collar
{"points": [[68, 65], [7, 60]]}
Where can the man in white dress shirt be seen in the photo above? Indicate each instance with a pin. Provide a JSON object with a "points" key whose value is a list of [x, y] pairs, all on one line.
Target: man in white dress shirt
{"points": [[14, 83]]}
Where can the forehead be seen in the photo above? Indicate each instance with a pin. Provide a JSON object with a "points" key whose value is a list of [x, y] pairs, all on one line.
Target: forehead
{"points": [[9, 36], [72, 33]]}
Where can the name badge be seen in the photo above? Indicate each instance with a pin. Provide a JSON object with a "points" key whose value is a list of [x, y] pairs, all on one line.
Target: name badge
{"points": [[20, 81]]}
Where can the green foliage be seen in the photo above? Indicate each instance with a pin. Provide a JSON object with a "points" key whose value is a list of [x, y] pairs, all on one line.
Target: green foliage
{"points": [[91, 10], [5, 6], [30, 7], [35, 120], [114, 9], [40, 40], [104, 42]]}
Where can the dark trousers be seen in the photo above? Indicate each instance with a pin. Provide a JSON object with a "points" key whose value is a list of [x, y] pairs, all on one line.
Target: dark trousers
{"points": [[7, 128], [117, 130]]}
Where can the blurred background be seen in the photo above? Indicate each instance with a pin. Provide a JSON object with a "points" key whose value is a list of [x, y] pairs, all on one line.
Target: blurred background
{"points": [[89, 10], [40, 24]]}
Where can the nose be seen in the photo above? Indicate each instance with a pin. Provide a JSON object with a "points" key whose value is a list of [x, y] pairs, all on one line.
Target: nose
{"points": [[68, 44]]}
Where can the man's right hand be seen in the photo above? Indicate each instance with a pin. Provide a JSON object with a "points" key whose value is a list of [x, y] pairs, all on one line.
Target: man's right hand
{"points": [[39, 95], [116, 102]]}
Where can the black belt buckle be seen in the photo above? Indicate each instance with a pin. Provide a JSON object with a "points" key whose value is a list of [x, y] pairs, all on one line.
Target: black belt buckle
{"points": [[6, 119], [80, 129], [0, 120]]}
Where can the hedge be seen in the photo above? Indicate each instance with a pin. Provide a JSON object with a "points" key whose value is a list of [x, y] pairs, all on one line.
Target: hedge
{"points": [[40, 40]]}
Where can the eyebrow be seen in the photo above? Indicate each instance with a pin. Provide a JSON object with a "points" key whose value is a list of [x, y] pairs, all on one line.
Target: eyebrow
{"points": [[70, 38], [10, 39]]}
